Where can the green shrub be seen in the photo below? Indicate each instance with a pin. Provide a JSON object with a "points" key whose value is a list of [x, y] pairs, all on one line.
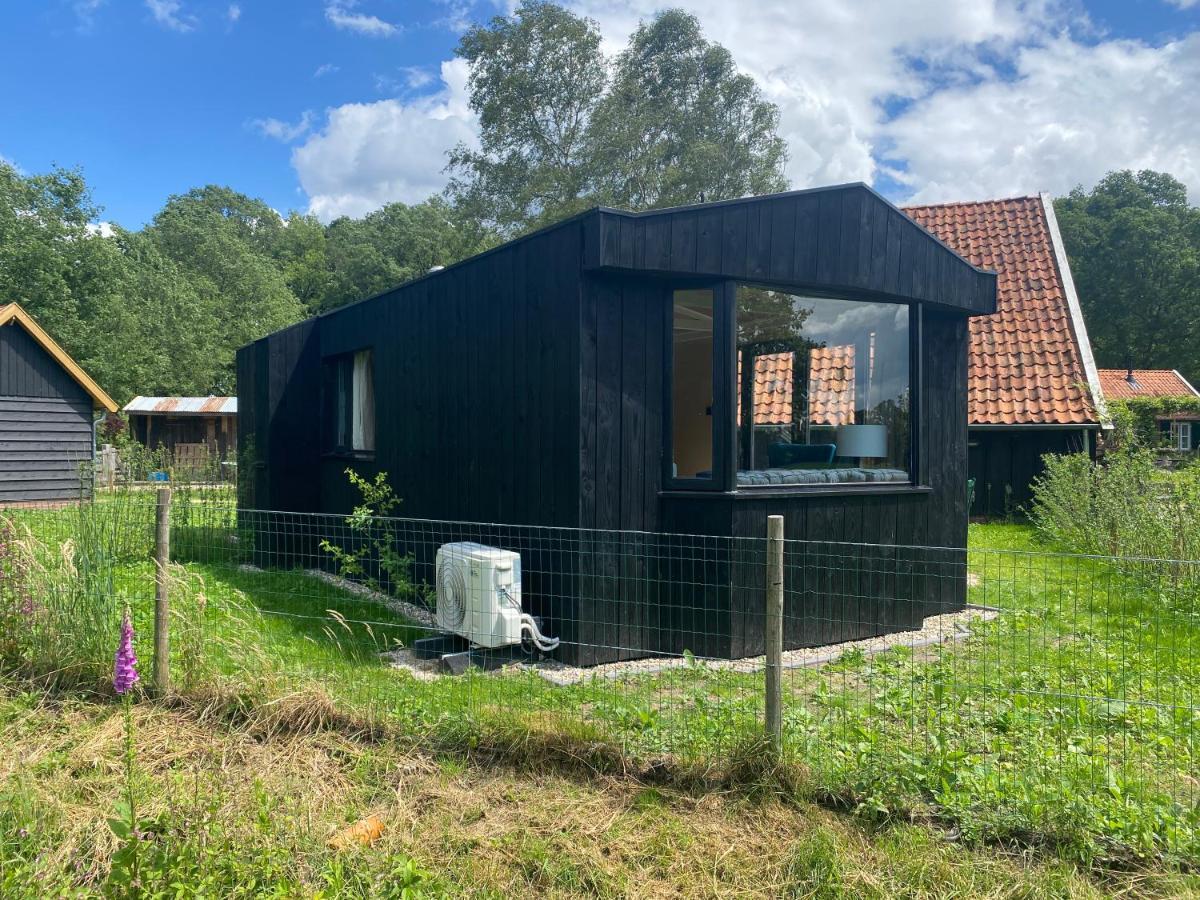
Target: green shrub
{"points": [[1126, 506]]}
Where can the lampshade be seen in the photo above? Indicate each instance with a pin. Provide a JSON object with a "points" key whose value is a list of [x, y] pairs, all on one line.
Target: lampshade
{"points": [[862, 440]]}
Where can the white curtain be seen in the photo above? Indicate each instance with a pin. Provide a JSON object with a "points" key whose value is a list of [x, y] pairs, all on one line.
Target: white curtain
{"points": [[364, 402]]}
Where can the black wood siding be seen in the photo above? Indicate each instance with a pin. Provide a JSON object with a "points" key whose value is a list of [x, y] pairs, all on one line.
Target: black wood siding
{"points": [[845, 239], [476, 407], [1004, 464], [526, 386], [45, 424]]}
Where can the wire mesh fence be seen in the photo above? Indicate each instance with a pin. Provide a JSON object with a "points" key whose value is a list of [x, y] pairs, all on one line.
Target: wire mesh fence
{"points": [[1047, 690]]}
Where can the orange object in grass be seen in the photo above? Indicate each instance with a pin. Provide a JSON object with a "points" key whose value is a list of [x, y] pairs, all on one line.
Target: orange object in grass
{"points": [[364, 832]]}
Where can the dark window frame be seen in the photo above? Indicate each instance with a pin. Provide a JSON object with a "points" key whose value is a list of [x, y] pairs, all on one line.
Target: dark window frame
{"points": [[337, 370], [725, 427], [723, 389]]}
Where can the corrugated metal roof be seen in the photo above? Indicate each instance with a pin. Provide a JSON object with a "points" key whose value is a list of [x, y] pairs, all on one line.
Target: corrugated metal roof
{"points": [[183, 406]]}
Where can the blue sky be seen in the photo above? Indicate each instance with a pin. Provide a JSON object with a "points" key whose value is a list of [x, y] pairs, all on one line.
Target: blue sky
{"points": [[338, 107]]}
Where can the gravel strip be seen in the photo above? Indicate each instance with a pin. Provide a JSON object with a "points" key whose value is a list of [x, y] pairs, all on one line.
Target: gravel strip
{"points": [[934, 630], [418, 614]]}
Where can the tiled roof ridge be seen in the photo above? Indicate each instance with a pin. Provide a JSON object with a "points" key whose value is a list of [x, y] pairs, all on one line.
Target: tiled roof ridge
{"points": [[946, 203]]}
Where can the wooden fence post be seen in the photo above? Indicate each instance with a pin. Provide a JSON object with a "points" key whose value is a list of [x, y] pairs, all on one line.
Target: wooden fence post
{"points": [[773, 632], [162, 609]]}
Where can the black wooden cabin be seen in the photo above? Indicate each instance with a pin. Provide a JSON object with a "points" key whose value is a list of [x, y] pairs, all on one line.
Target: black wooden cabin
{"points": [[48, 405], [589, 376]]}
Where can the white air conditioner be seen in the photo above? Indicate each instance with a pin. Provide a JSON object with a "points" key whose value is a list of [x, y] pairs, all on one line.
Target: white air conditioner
{"points": [[479, 593], [479, 597]]}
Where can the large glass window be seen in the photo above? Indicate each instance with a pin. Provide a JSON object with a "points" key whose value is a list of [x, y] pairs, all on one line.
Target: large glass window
{"points": [[823, 390], [693, 343]]}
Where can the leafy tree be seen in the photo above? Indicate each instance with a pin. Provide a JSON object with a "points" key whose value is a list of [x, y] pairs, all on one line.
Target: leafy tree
{"points": [[50, 261], [392, 245], [1134, 246], [162, 338], [676, 123], [221, 242], [680, 125], [536, 77], [301, 249]]}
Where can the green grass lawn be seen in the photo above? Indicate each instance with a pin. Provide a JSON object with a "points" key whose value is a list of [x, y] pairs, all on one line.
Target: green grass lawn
{"points": [[1068, 723], [231, 812]]}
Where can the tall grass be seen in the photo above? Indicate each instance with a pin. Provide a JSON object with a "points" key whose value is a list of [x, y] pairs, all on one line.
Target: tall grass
{"points": [[59, 605], [67, 575], [1125, 506]]}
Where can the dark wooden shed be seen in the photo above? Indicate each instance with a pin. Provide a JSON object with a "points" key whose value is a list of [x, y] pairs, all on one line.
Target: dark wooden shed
{"points": [[47, 407], [590, 376]]}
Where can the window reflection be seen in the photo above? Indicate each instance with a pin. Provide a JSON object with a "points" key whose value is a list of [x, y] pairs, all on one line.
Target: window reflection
{"points": [[827, 400]]}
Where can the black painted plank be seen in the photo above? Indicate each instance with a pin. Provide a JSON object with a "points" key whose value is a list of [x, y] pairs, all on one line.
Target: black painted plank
{"points": [[628, 239], [847, 271], [683, 242], [657, 241], [829, 223], [708, 241], [783, 239], [758, 241], [805, 242], [32, 425], [734, 224]]}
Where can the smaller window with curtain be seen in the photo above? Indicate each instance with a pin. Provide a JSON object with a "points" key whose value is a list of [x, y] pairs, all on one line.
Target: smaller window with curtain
{"points": [[349, 407]]}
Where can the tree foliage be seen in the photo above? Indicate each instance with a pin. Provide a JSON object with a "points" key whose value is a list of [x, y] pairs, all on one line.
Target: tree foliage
{"points": [[679, 124], [672, 121], [164, 309], [536, 78], [1134, 245]]}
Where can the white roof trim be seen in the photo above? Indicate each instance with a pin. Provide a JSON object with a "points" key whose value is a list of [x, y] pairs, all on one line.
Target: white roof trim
{"points": [[1185, 381], [1077, 323]]}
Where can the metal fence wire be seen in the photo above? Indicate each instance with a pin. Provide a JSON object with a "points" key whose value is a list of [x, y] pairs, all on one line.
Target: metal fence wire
{"points": [[1041, 685]]}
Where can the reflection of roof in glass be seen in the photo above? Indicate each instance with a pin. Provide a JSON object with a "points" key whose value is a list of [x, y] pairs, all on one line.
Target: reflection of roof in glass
{"points": [[830, 387]]}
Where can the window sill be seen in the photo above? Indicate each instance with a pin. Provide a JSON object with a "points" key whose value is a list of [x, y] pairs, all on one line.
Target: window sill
{"points": [[800, 491], [359, 455]]}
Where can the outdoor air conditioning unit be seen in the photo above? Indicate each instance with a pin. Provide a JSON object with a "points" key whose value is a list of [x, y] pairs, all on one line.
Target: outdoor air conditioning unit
{"points": [[479, 596]]}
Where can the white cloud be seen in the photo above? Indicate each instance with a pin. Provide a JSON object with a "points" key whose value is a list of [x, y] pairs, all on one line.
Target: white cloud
{"points": [[233, 13], [340, 14], [170, 14], [954, 100], [284, 131], [831, 66], [411, 78], [1183, 4], [325, 69], [104, 229], [85, 13], [369, 154], [416, 77], [1071, 114]]}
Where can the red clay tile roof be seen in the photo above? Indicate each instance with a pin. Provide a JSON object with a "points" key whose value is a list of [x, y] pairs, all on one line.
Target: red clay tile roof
{"points": [[1026, 367], [830, 387], [1146, 383]]}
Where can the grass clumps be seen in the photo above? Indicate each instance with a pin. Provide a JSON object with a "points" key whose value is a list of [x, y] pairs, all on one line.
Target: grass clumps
{"points": [[241, 814]]}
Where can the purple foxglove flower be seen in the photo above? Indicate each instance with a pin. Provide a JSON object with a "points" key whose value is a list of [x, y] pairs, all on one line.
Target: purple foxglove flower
{"points": [[125, 673]]}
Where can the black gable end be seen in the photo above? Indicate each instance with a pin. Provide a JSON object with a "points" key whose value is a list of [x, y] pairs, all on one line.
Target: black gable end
{"points": [[840, 239]]}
